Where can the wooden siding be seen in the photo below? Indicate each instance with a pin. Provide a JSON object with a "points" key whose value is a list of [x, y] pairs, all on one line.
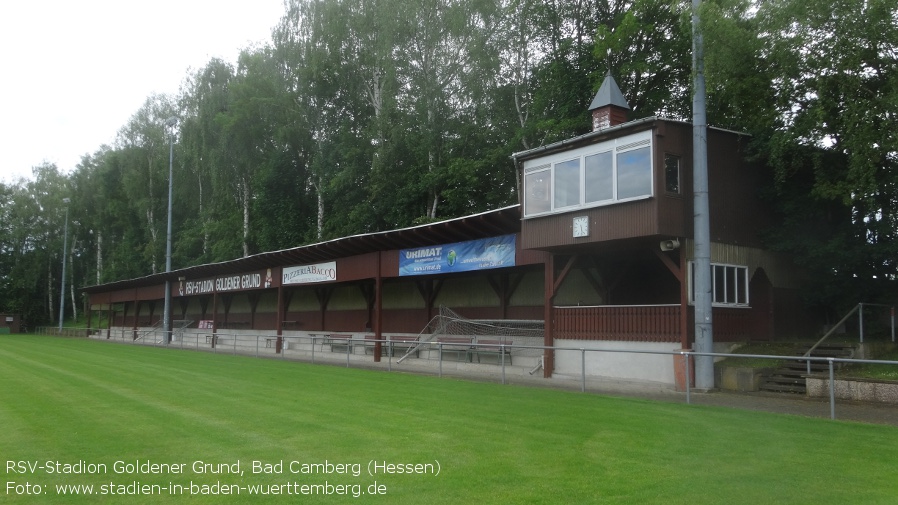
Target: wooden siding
{"points": [[610, 222], [354, 268], [738, 216], [733, 325], [647, 323]]}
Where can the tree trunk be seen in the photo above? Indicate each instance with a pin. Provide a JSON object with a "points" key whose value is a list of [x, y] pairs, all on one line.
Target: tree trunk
{"points": [[246, 199], [99, 256], [153, 234], [50, 291], [320, 210], [71, 281], [204, 222]]}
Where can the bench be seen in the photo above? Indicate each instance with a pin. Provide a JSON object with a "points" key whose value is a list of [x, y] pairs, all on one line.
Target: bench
{"points": [[405, 343], [493, 347], [402, 343], [458, 345], [371, 341], [338, 340]]}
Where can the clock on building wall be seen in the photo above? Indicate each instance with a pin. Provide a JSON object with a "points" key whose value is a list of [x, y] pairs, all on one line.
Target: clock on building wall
{"points": [[581, 226]]}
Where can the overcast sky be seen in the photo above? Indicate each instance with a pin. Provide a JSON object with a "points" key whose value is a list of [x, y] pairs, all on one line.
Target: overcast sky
{"points": [[75, 71]]}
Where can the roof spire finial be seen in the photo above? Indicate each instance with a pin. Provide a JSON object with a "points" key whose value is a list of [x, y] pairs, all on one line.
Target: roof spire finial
{"points": [[609, 107]]}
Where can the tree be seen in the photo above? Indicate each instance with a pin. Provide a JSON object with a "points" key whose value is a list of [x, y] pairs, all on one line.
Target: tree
{"points": [[143, 149], [836, 89]]}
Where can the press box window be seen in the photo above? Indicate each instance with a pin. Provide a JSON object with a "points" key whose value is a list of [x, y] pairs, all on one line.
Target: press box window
{"points": [[537, 191], [729, 285], [614, 171]]}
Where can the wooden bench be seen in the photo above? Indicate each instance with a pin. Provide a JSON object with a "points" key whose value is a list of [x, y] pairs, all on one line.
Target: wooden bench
{"points": [[339, 340], [493, 347], [457, 345], [371, 341], [404, 343]]}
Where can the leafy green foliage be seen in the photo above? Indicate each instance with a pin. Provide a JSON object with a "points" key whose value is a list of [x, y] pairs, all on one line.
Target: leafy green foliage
{"points": [[363, 116]]}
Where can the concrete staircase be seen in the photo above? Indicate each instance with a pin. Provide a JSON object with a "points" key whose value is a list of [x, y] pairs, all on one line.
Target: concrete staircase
{"points": [[790, 378]]}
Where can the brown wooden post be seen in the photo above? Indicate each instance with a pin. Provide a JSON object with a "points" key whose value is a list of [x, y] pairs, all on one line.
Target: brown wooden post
{"points": [[281, 315], [549, 314], [90, 313], [214, 317], [109, 319], [679, 272], [136, 316], [378, 310], [684, 301]]}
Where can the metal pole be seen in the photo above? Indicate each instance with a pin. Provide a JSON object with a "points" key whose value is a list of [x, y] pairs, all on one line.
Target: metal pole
{"points": [[832, 392], [688, 380], [892, 314], [440, 348], [582, 370], [65, 246], [502, 355], [704, 333], [861, 316], [166, 316]]}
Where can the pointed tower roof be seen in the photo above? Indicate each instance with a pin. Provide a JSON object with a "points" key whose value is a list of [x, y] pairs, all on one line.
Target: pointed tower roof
{"points": [[609, 94]]}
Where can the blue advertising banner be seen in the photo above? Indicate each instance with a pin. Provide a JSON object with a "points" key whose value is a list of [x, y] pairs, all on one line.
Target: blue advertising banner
{"points": [[483, 254]]}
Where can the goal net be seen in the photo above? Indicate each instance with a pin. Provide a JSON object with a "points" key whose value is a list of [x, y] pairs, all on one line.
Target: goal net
{"points": [[514, 333]]}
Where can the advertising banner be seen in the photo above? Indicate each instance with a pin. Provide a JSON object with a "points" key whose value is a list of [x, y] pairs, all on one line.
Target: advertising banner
{"points": [[483, 254], [225, 283], [307, 274]]}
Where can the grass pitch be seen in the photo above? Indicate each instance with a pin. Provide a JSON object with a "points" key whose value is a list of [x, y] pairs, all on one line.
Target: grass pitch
{"points": [[144, 425]]}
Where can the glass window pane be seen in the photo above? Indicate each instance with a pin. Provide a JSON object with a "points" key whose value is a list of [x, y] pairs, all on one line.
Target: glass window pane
{"points": [[719, 283], [599, 177], [731, 285], [536, 193], [634, 173], [741, 291], [567, 183], [672, 173]]}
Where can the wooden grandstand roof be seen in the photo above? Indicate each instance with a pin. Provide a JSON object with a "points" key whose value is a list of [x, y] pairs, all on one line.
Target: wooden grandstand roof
{"points": [[487, 224]]}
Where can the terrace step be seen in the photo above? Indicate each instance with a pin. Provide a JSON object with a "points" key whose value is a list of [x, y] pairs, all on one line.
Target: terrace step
{"points": [[790, 377]]}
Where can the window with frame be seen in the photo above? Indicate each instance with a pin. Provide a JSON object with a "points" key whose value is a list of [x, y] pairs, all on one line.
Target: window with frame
{"points": [[729, 285], [613, 171], [671, 173]]}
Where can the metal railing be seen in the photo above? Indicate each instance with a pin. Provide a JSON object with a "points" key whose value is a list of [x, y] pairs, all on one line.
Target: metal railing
{"points": [[320, 348], [859, 308]]}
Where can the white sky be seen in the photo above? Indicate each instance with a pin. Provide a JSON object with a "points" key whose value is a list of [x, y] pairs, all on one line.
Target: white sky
{"points": [[75, 71]]}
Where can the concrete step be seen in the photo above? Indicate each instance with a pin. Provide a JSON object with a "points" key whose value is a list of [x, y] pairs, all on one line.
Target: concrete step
{"points": [[790, 377]]}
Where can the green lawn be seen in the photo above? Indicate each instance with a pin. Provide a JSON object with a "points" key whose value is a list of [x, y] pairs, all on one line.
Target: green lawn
{"points": [[71, 400]]}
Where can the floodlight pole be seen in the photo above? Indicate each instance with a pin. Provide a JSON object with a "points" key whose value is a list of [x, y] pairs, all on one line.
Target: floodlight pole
{"points": [[65, 246], [704, 335], [166, 315]]}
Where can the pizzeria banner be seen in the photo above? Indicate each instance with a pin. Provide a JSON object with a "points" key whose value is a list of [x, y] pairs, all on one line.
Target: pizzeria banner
{"points": [[307, 274], [483, 254]]}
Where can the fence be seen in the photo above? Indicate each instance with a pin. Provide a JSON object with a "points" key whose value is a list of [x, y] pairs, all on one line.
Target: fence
{"points": [[344, 350]]}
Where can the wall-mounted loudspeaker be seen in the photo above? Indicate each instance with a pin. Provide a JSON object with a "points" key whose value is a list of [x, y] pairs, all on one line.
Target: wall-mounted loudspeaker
{"points": [[670, 245]]}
